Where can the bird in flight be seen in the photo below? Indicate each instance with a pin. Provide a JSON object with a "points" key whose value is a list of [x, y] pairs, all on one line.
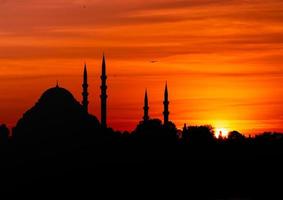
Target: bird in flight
{"points": [[154, 61]]}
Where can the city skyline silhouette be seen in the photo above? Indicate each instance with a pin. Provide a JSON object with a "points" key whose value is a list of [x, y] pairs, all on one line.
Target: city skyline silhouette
{"points": [[127, 121], [219, 131]]}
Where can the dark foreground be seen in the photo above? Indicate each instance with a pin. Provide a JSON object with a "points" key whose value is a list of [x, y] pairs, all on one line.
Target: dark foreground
{"points": [[197, 172]]}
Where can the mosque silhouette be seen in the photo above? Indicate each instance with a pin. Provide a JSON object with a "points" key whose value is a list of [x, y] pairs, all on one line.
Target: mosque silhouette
{"points": [[58, 112]]}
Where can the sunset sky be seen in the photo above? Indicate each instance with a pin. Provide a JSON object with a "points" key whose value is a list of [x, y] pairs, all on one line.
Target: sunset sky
{"points": [[222, 59]]}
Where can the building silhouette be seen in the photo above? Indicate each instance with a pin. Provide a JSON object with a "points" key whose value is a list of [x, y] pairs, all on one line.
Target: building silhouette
{"points": [[85, 94], [145, 108], [57, 111], [103, 95], [166, 106], [57, 115]]}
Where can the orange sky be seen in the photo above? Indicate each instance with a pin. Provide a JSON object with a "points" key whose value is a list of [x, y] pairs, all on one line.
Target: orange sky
{"points": [[223, 60]]}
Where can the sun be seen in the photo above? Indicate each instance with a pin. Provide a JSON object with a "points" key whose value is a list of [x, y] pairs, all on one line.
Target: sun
{"points": [[221, 132]]}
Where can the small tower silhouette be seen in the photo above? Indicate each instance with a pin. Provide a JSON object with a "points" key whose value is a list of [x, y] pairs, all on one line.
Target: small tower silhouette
{"points": [[166, 106], [85, 91], [145, 108], [103, 95], [185, 127]]}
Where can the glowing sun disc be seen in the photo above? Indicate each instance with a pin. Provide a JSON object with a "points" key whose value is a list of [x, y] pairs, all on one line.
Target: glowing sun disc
{"points": [[221, 132]]}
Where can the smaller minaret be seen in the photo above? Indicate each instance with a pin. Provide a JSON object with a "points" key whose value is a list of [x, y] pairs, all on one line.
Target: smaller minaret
{"points": [[166, 106], [145, 108], [103, 95], [85, 91]]}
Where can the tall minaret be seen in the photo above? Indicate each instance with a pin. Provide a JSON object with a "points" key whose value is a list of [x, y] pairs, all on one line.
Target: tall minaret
{"points": [[145, 108], [85, 92], [103, 95], [166, 106]]}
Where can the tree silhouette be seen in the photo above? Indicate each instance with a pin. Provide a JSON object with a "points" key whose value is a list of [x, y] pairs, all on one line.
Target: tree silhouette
{"points": [[235, 136], [198, 135], [154, 132], [269, 138]]}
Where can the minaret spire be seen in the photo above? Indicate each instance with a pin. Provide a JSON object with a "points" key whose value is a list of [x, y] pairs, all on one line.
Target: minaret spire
{"points": [[145, 108], [103, 95], [166, 105], [85, 90]]}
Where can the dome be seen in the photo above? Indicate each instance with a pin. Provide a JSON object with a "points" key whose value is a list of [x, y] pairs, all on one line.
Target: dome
{"points": [[55, 104], [56, 112], [56, 95]]}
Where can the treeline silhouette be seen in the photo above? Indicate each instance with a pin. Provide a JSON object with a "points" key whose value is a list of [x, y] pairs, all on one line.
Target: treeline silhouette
{"points": [[85, 132]]}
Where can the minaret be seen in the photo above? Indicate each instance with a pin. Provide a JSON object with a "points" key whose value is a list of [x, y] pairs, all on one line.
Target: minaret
{"points": [[166, 106], [85, 92], [103, 95], [145, 108]]}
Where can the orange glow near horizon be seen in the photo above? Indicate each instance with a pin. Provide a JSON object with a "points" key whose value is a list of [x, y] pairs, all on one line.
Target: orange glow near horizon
{"points": [[223, 60], [223, 132]]}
